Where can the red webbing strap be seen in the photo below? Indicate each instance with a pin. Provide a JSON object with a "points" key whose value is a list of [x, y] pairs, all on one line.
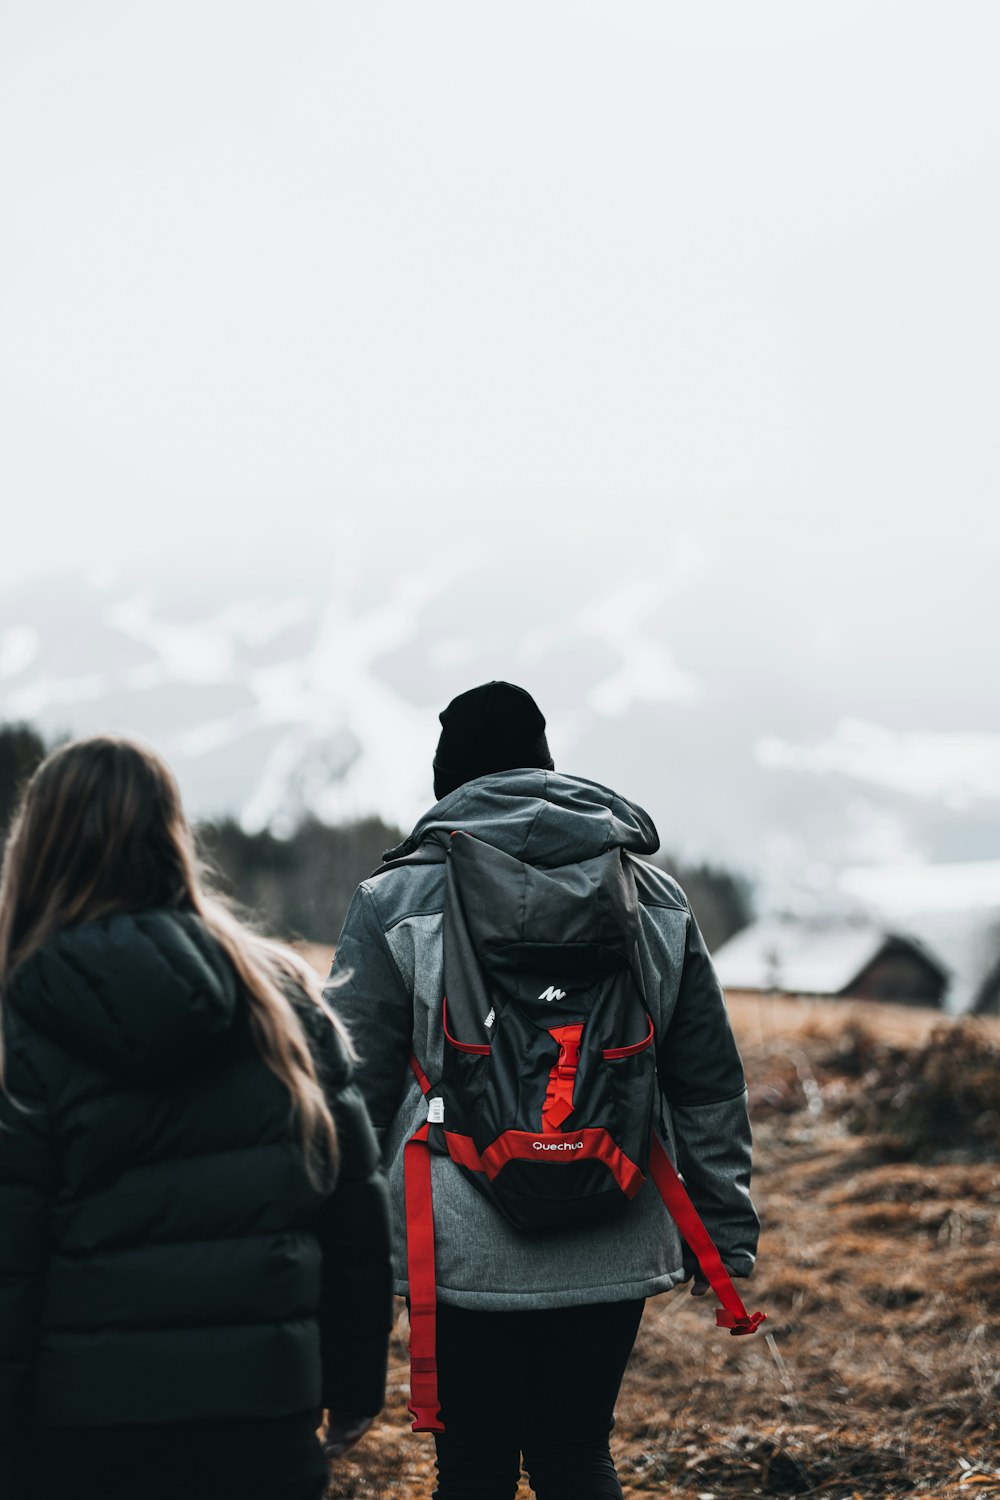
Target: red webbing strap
{"points": [[423, 1401], [732, 1314], [558, 1105], [419, 1074], [420, 1270]]}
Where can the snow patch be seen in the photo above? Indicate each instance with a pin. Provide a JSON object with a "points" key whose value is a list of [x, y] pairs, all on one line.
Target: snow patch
{"points": [[19, 646], [905, 888], [201, 652], [959, 769], [876, 835], [45, 692], [648, 671], [212, 735], [453, 651], [353, 747], [205, 650], [266, 624]]}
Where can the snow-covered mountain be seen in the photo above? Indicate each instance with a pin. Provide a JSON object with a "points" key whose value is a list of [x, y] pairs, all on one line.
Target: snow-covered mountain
{"points": [[321, 696]]}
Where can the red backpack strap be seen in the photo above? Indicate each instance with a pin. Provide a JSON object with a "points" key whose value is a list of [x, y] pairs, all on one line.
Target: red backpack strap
{"points": [[732, 1314], [424, 1403]]}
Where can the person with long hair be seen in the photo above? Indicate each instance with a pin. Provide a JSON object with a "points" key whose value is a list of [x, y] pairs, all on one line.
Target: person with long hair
{"points": [[194, 1240]]}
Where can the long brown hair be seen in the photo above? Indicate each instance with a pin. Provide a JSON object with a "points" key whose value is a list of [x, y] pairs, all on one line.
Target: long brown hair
{"points": [[101, 829]]}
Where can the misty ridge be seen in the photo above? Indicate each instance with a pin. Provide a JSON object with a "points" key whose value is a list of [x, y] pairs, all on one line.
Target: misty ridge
{"points": [[298, 886], [301, 728], [774, 740]]}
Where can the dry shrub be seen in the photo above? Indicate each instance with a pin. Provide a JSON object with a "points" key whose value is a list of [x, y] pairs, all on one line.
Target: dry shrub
{"points": [[941, 1099], [910, 1182], [881, 1212]]}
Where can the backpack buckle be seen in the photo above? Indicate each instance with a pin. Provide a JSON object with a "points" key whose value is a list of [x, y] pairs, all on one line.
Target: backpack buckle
{"points": [[738, 1326], [569, 1058]]}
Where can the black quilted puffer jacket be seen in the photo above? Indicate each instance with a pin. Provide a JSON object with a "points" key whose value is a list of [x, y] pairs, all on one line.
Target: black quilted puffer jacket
{"points": [[163, 1255]]}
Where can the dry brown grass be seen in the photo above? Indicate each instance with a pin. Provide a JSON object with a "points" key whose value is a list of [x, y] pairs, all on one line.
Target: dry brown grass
{"points": [[878, 1269]]}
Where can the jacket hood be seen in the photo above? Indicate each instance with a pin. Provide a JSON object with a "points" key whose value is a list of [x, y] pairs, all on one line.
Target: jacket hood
{"points": [[133, 993], [539, 817]]}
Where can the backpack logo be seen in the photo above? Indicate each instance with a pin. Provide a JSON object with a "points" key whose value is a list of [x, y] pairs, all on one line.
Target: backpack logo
{"points": [[557, 1146], [552, 994]]}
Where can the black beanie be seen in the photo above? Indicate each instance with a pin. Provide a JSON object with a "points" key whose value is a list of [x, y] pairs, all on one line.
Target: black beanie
{"points": [[495, 727]]}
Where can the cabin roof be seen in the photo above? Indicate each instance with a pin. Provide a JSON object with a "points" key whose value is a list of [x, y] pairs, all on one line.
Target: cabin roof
{"points": [[810, 956]]}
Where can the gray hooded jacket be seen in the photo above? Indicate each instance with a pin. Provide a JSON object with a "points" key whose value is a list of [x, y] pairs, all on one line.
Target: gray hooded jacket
{"points": [[387, 985]]}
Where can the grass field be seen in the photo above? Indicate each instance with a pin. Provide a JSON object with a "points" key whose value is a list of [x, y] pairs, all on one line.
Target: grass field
{"points": [[878, 1180]]}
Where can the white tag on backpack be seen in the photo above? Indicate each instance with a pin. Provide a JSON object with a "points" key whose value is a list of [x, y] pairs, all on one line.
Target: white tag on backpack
{"points": [[435, 1111], [490, 1018]]}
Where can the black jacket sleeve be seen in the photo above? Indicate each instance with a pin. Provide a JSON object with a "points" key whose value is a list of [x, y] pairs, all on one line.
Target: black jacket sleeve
{"points": [[367, 991], [702, 1080], [356, 1299], [27, 1178]]}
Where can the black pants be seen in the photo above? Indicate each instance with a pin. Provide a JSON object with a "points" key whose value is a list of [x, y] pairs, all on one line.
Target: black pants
{"points": [[272, 1459], [539, 1383]]}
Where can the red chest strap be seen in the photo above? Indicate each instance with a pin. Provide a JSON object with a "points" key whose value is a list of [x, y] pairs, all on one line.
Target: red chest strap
{"points": [[558, 1105]]}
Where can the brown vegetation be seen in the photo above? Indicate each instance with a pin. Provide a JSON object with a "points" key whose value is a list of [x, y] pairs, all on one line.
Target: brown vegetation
{"points": [[878, 1179]]}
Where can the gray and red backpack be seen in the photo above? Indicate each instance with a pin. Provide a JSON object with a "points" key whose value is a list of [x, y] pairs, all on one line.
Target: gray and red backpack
{"points": [[548, 1097]]}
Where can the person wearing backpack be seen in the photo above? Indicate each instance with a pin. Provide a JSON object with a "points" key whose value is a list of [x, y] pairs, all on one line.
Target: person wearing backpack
{"points": [[194, 1229], [542, 1033]]}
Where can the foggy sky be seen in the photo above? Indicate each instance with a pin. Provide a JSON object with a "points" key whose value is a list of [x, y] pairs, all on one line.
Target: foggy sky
{"points": [[696, 306]]}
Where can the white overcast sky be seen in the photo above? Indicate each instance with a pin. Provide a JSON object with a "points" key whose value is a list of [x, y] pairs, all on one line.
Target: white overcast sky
{"points": [[282, 280]]}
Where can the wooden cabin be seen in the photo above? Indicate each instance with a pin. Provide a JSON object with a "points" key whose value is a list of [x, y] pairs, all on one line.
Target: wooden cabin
{"points": [[833, 958], [987, 999]]}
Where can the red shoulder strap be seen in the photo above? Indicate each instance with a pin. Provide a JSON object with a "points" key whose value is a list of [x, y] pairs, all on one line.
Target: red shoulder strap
{"points": [[424, 1403], [732, 1314]]}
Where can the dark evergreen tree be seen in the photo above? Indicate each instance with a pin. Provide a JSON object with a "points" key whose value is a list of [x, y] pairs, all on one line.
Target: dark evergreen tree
{"points": [[721, 901], [300, 886], [21, 750]]}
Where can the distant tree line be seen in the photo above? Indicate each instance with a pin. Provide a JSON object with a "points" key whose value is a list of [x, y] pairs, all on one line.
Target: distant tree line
{"points": [[295, 887], [301, 886], [721, 900], [21, 750]]}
